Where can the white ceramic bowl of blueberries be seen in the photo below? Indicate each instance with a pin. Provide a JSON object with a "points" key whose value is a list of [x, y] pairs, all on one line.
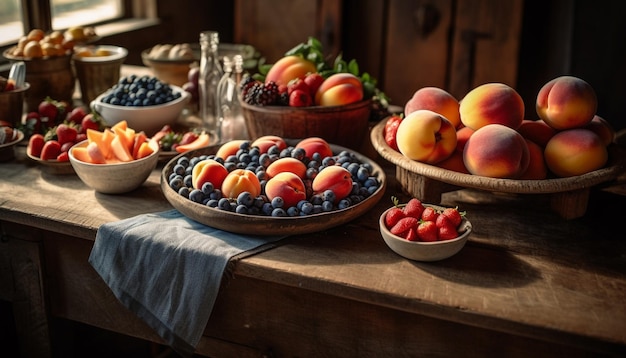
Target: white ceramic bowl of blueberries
{"points": [[145, 102]]}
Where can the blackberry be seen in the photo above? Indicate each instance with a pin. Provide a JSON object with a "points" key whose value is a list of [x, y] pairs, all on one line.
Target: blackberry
{"points": [[283, 99], [268, 95], [252, 94], [246, 82]]}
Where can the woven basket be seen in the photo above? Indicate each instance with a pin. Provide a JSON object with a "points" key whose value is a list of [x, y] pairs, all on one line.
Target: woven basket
{"points": [[346, 126]]}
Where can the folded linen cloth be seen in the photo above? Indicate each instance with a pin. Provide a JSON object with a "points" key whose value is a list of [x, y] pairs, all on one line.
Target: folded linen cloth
{"points": [[168, 268]]}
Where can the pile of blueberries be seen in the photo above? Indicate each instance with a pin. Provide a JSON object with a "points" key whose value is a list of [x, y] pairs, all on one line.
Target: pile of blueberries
{"points": [[364, 182], [140, 91]]}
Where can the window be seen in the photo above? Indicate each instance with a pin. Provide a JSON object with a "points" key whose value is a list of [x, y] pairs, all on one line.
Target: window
{"points": [[63, 15]]}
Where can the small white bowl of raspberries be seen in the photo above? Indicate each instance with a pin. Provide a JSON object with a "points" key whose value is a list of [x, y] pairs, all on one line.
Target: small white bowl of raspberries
{"points": [[424, 232]]}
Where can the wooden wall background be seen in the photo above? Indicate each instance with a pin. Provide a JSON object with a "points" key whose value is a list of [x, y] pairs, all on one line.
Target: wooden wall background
{"points": [[408, 44]]}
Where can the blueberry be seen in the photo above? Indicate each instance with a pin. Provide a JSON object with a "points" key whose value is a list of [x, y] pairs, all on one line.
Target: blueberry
{"points": [[207, 188], [196, 195], [183, 191], [223, 204], [279, 212], [245, 198], [278, 202]]}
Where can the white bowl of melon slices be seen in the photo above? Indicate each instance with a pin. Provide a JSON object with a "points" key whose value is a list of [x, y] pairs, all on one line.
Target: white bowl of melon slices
{"points": [[116, 160]]}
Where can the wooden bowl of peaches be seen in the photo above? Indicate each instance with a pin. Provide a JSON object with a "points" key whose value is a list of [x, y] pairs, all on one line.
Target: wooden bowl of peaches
{"points": [[484, 142]]}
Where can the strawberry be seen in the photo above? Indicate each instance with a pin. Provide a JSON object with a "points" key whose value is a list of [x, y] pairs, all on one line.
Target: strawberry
{"points": [[313, 81], [447, 232], [63, 157], [393, 216], [300, 98], [391, 128], [403, 225], [51, 150], [66, 133], [427, 231], [89, 121], [76, 115], [188, 138], [66, 146], [454, 215], [412, 235], [429, 214], [297, 84], [414, 208], [443, 220], [35, 144], [48, 109]]}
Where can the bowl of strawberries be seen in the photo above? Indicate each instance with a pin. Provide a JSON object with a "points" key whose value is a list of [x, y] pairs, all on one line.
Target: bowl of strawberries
{"points": [[424, 232]]}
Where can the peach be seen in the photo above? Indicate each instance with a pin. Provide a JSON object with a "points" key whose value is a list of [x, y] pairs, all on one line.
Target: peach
{"points": [[537, 131], [286, 164], [492, 103], [426, 136], [229, 148], [566, 102], [339, 89], [437, 100], [602, 128], [289, 68], [264, 143], [496, 151], [288, 186], [574, 152], [537, 168], [208, 170], [335, 178], [454, 162], [462, 135], [314, 145], [240, 180]]}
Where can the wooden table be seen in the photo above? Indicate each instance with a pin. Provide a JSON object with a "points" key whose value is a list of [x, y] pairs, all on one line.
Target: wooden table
{"points": [[528, 283]]}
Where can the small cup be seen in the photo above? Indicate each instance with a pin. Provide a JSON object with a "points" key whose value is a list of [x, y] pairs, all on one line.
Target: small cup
{"points": [[12, 104], [96, 72]]}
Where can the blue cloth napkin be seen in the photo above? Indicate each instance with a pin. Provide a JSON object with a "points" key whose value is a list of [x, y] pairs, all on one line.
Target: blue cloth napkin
{"points": [[168, 268]]}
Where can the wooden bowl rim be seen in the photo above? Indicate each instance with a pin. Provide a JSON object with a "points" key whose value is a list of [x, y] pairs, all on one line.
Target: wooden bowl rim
{"points": [[551, 185]]}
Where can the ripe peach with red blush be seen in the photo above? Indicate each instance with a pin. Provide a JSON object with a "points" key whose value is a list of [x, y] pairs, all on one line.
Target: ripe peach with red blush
{"points": [[437, 100], [339, 89], [496, 151], [286, 164], [602, 128], [208, 170], [537, 131], [264, 143], [314, 145], [335, 178], [289, 68], [566, 102], [574, 152], [240, 180], [229, 148], [492, 103], [537, 168], [288, 186], [426, 136]]}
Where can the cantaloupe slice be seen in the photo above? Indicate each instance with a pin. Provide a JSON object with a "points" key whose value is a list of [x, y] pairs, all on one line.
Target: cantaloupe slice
{"points": [[144, 150], [127, 137], [140, 138], [103, 140], [81, 154], [120, 149], [121, 125]]}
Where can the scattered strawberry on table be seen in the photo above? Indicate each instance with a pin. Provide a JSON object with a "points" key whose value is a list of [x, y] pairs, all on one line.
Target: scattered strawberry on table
{"points": [[418, 222]]}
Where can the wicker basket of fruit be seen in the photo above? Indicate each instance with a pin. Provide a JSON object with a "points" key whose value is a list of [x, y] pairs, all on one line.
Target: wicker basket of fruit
{"points": [[302, 96]]}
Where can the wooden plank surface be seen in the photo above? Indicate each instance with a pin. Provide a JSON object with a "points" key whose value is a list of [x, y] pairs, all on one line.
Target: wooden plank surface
{"points": [[524, 272]]}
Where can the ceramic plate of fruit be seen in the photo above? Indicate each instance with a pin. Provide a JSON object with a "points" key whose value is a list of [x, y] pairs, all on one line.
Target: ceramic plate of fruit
{"points": [[484, 141], [273, 186], [424, 232]]}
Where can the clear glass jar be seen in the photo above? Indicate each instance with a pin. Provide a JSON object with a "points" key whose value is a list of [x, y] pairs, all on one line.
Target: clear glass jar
{"points": [[230, 114], [210, 74]]}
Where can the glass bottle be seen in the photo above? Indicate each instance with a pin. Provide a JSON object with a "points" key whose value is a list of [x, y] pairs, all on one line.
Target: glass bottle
{"points": [[210, 75], [230, 115]]}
